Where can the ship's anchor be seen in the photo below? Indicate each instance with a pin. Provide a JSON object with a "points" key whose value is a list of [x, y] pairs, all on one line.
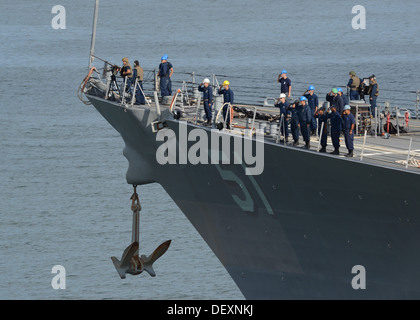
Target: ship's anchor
{"points": [[130, 261]]}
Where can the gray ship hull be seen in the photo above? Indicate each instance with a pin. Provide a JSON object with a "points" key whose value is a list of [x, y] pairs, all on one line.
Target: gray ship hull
{"points": [[297, 230]]}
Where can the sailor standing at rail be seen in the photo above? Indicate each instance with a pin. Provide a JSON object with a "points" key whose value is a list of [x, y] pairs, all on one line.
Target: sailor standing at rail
{"points": [[373, 93], [353, 85], [336, 127], [313, 104], [227, 93], [349, 123], [294, 122], [138, 74], [283, 105], [338, 101], [165, 73], [207, 91], [305, 117], [127, 74], [285, 83], [322, 124]]}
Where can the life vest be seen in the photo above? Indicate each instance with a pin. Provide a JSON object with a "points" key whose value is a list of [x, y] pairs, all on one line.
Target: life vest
{"points": [[139, 73], [124, 68], [355, 83], [377, 88]]}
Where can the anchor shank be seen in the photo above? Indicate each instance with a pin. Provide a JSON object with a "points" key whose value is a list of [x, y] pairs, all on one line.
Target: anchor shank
{"points": [[136, 226]]}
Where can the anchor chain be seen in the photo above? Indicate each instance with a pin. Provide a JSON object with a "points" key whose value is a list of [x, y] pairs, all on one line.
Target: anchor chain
{"points": [[135, 201]]}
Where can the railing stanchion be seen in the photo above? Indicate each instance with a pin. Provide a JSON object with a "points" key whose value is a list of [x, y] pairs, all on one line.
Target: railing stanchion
{"points": [[363, 147], [409, 151]]}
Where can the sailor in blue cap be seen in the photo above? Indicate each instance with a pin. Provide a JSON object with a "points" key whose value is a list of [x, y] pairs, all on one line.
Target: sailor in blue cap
{"points": [[313, 104], [285, 83], [165, 73], [305, 117], [343, 96], [349, 124]]}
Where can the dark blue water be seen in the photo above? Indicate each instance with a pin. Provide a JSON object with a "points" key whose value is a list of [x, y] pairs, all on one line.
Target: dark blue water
{"points": [[63, 195]]}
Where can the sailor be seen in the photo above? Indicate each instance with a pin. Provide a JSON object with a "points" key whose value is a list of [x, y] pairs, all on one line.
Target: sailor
{"points": [[227, 93], [207, 91], [373, 93], [313, 104], [338, 101], [127, 74], [283, 105], [336, 126], [330, 97], [349, 123], [343, 96], [294, 122], [165, 73], [322, 123], [138, 74], [285, 83], [353, 85], [305, 117]]}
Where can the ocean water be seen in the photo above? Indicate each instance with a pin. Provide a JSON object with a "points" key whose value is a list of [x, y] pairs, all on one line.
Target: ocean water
{"points": [[63, 195]]}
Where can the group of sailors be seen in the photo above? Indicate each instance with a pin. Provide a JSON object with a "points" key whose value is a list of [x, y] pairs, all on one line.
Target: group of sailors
{"points": [[304, 115], [130, 75]]}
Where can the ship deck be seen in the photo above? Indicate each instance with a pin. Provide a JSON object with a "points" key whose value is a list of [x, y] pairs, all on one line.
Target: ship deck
{"points": [[374, 149]]}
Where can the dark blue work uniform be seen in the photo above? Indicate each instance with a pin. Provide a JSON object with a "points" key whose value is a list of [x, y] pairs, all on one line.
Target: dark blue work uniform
{"points": [[227, 97], [336, 128], [330, 98], [338, 103], [313, 103], [322, 119], [165, 79], [284, 110], [207, 99], [294, 122], [345, 99], [284, 85], [348, 121], [305, 117], [374, 97]]}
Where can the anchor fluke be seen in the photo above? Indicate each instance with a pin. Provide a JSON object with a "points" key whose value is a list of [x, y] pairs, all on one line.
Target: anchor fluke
{"points": [[148, 261], [125, 264]]}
